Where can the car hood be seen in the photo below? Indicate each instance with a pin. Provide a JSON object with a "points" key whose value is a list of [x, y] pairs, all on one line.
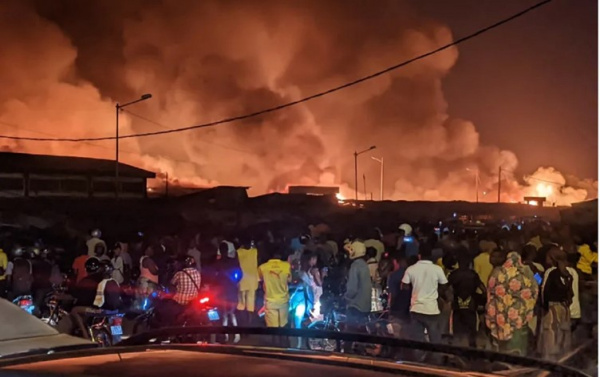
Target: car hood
{"points": [[188, 361], [36, 344], [23, 332]]}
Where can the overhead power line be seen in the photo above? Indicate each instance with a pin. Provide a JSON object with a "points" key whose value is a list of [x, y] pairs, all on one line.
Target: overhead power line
{"points": [[532, 177], [199, 140], [126, 151], [544, 180], [302, 100]]}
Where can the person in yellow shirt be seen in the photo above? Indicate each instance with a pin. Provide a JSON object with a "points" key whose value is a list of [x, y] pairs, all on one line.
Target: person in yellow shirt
{"points": [[586, 259], [481, 263], [3, 267], [275, 275], [248, 258]]}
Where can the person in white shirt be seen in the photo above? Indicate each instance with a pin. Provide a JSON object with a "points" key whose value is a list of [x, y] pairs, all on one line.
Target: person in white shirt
{"points": [[425, 278], [194, 251], [118, 272], [94, 241], [127, 262]]}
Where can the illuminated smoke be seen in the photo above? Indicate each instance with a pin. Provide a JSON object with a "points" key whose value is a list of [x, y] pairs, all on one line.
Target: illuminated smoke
{"points": [[64, 67]]}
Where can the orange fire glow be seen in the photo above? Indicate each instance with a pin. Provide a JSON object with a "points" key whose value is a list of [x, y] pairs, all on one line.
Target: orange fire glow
{"points": [[248, 60]]}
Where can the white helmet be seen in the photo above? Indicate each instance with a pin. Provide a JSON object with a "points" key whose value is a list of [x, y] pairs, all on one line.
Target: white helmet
{"points": [[406, 228], [357, 250], [96, 233]]}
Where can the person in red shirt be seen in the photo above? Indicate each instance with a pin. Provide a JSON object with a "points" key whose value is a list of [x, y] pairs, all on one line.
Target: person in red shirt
{"points": [[79, 266]]}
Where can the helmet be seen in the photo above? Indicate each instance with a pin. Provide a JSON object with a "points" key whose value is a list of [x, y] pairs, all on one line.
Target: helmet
{"points": [[31, 252], [96, 233], [189, 261], [46, 253], [18, 252], [107, 267], [406, 228], [304, 239], [92, 265], [357, 250]]}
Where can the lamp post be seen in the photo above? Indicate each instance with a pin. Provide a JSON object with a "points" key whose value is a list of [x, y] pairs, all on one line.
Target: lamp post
{"points": [[476, 184], [356, 154], [117, 109], [380, 160]]}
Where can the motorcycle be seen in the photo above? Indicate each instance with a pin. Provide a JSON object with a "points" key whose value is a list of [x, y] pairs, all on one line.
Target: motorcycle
{"points": [[334, 319], [104, 327], [58, 304], [147, 319], [25, 302], [377, 323], [198, 312]]}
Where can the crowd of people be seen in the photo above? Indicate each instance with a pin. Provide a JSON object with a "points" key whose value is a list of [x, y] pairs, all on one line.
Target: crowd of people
{"points": [[519, 289]]}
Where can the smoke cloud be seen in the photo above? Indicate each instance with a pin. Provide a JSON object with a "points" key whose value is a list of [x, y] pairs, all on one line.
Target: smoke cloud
{"points": [[66, 64]]}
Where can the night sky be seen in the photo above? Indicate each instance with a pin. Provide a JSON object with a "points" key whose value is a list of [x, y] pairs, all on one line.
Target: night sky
{"points": [[530, 86]]}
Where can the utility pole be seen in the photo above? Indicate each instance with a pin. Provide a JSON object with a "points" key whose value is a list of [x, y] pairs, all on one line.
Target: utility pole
{"points": [[118, 108], [499, 181], [167, 185], [477, 185], [365, 186], [380, 160], [356, 154], [356, 175]]}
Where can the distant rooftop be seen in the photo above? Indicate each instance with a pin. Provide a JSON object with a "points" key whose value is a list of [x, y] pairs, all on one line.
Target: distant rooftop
{"points": [[46, 164]]}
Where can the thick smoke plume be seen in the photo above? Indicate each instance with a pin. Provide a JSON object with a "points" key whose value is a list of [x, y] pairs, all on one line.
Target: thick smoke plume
{"points": [[66, 63]]}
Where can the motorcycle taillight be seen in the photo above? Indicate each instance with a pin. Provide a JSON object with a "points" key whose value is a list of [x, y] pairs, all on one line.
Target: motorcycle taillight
{"points": [[116, 321], [23, 303]]}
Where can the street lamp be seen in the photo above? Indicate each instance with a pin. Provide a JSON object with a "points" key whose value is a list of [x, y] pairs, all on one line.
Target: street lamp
{"points": [[117, 109], [476, 184], [356, 154], [380, 160]]}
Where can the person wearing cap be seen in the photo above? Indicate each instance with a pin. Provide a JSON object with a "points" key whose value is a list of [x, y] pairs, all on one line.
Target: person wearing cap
{"points": [[407, 241], [94, 241], [358, 287]]}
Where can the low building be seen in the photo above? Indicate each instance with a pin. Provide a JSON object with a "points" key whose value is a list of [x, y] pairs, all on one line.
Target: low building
{"points": [[535, 200], [313, 190], [30, 176]]}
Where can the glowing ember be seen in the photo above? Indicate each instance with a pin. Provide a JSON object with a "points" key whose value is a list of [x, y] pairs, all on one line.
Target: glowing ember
{"points": [[340, 197]]}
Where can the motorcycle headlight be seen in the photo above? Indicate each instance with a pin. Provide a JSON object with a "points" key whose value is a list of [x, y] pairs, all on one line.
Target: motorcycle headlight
{"points": [[300, 310]]}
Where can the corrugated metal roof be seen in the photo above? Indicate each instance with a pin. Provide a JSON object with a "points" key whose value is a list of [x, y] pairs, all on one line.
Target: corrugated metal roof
{"points": [[46, 164]]}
